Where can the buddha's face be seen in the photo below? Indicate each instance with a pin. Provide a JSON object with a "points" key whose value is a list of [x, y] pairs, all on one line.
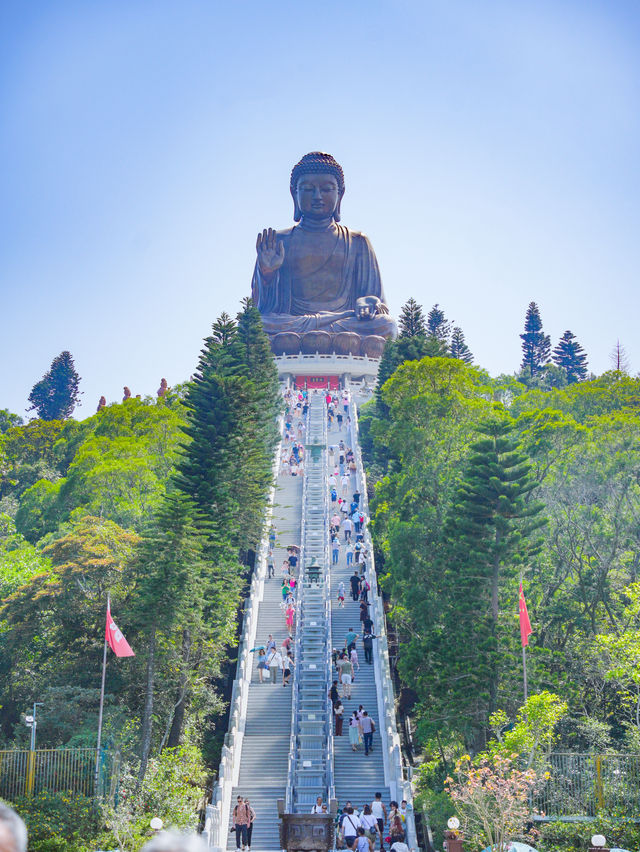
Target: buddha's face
{"points": [[317, 195]]}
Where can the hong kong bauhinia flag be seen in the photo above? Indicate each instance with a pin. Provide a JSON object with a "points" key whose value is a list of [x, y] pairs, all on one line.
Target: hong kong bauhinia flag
{"points": [[115, 639], [525, 624]]}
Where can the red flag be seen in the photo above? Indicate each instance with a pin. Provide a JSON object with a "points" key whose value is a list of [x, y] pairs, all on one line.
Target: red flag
{"points": [[114, 637], [525, 624]]}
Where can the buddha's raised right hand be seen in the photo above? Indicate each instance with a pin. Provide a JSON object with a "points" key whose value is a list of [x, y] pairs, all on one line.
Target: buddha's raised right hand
{"points": [[270, 252]]}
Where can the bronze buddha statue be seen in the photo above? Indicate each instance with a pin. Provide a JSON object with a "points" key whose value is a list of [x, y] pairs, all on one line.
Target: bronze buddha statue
{"points": [[317, 284]]}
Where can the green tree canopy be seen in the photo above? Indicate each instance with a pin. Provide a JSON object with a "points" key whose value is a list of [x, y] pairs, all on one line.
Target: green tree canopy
{"points": [[57, 393], [536, 345], [411, 321], [571, 357]]}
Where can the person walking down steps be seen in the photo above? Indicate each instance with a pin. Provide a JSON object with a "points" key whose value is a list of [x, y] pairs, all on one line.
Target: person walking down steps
{"points": [[241, 822], [275, 665]]}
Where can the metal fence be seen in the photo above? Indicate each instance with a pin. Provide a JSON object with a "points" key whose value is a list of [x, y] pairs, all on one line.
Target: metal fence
{"points": [[51, 770], [587, 784]]}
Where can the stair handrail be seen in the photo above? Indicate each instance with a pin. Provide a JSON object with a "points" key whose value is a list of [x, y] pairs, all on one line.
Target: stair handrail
{"points": [[217, 812], [390, 738], [295, 693]]}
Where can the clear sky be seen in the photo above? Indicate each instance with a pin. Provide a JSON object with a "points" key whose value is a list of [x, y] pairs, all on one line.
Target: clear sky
{"points": [[491, 150]]}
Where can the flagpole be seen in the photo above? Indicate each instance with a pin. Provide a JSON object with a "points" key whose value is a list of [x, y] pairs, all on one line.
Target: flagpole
{"points": [[524, 645], [104, 671]]}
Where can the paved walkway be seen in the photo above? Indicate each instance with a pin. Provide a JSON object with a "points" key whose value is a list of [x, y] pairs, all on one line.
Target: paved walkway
{"points": [[265, 750], [357, 777]]}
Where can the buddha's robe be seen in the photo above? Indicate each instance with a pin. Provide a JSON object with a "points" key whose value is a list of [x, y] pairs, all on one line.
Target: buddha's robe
{"points": [[325, 298]]}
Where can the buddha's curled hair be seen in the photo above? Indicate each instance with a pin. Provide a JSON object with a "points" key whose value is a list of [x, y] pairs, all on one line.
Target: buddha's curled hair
{"points": [[317, 162]]}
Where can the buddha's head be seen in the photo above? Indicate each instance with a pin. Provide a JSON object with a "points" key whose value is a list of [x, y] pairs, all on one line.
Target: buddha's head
{"points": [[317, 187]]}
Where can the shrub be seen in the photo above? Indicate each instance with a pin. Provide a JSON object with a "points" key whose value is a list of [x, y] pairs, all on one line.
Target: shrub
{"points": [[58, 821], [576, 836]]}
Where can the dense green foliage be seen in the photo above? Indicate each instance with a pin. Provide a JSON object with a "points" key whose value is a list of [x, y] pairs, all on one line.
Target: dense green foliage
{"points": [[458, 346], [160, 503], [411, 322], [550, 491], [619, 831], [57, 393], [536, 345], [571, 357]]}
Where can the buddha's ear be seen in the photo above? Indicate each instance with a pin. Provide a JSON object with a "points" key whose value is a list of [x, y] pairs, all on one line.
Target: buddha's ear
{"points": [[297, 213], [336, 212]]}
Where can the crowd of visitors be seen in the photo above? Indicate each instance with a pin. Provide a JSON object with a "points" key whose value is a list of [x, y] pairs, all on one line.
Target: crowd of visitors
{"points": [[359, 830], [374, 825]]}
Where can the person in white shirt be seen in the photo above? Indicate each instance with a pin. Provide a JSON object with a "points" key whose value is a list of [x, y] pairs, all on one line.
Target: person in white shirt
{"points": [[275, 665], [317, 808], [350, 826], [380, 813], [368, 822], [347, 528]]}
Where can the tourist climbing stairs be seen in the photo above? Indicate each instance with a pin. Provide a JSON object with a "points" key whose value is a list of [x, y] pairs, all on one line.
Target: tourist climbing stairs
{"points": [[280, 750]]}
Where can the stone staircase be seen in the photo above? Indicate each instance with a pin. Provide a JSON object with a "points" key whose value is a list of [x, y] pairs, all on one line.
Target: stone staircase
{"points": [[274, 764], [265, 747], [357, 777]]}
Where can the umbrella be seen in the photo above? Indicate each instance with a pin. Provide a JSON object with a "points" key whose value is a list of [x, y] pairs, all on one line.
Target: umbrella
{"points": [[618, 850], [257, 648], [293, 547], [515, 846]]}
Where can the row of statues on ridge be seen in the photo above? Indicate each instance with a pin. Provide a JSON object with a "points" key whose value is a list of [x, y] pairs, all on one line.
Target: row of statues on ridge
{"points": [[162, 391]]}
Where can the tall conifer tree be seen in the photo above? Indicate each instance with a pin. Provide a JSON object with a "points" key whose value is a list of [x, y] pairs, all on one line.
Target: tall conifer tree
{"points": [[232, 401], [57, 393], [490, 532], [438, 326], [412, 322], [458, 347], [536, 345], [571, 357]]}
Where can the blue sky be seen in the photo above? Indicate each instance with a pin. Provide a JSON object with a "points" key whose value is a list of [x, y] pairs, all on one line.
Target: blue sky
{"points": [[491, 153]]}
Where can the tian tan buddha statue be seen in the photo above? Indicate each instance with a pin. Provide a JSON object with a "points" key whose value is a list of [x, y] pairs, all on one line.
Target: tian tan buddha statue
{"points": [[317, 284]]}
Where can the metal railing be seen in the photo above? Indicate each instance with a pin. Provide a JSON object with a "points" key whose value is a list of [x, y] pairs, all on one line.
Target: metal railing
{"points": [[394, 771], [53, 770], [584, 785], [217, 814], [310, 769]]}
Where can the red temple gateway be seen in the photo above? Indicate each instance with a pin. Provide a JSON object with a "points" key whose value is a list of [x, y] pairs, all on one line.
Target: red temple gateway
{"points": [[311, 382]]}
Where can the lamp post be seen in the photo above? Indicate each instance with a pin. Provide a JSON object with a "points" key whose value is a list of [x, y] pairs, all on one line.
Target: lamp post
{"points": [[31, 722], [598, 843], [452, 840]]}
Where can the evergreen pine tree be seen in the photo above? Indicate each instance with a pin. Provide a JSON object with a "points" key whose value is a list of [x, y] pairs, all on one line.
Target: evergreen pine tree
{"points": [[169, 600], [489, 533], [571, 357], [223, 329], [259, 420], [57, 393], [458, 347], [412, 322], [536, 346], [438, 325], [232, 402]]}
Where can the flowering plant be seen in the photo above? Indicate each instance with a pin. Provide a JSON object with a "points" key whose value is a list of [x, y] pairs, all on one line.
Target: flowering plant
{"points": [[492, 799]]}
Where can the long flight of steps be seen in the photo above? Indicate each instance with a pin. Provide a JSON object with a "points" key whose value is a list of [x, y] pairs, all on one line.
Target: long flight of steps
{"points": [[265, 749], [357, 777]]}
